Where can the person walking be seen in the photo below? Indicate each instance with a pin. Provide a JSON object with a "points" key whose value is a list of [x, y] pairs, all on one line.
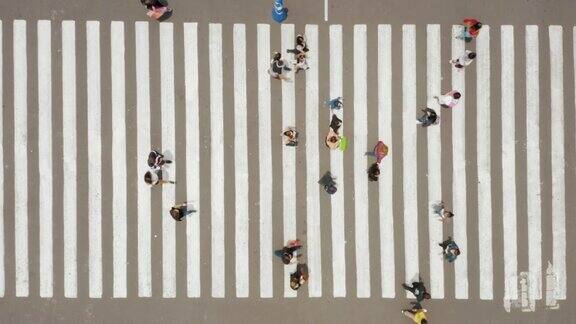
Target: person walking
{"points": [[464, 60], [300, 47], [418, 290], [299, 277], [471, 29], [290, 136], [277, 67], [289, 253], [157, 9], [180, 211], [154, 177], [450, 250], [156, 160], [374, 171], [300, 64], [327, 181], [336, 103], [428, 118], [380, 151], [443, 214], [449, 100], [416, 314]]}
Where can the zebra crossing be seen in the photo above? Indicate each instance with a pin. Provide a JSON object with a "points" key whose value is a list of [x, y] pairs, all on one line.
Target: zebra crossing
{"points": [[202, 244]]}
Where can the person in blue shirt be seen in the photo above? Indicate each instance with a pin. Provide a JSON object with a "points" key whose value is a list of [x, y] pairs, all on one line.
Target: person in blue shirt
{"points": [[450, 249]]}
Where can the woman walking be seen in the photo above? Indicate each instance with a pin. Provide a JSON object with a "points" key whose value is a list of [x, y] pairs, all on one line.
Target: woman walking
{"points": [[154, 177], [449, 99]]}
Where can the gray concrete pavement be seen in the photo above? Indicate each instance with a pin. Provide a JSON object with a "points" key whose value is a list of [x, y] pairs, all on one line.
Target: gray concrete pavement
{"points": [[278, 309]]}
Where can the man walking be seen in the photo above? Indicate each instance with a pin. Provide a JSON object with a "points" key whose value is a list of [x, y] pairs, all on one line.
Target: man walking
{"points": [[450, 250], [418, 289]]}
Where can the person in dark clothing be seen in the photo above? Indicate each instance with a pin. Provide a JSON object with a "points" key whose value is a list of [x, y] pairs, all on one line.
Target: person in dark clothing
{"points": [[289, 253], [180, 211], [428, 118], [335, 123], [374, 172], [156, 160], [328, 182], [301, 47], [418, 289], [299, 277]]}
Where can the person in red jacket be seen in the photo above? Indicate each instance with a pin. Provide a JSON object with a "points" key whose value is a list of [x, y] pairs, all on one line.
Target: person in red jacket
{"points": [[471, 29]]}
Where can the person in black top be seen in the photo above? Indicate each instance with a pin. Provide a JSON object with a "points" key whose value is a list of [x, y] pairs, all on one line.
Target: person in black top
{"points": [[374, 172], [418, 289], [428, 118]]}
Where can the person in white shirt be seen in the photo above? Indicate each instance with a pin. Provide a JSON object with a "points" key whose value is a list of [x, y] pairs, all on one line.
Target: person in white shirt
{"points": [[439, 209], [464, 60], [449, 100]]}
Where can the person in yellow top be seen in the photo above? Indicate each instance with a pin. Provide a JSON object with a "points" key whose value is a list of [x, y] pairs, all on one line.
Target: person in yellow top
{"points": [[418, 315]]}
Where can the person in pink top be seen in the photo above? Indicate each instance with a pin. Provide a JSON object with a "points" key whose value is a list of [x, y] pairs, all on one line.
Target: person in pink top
{"points": [[449, 100]]}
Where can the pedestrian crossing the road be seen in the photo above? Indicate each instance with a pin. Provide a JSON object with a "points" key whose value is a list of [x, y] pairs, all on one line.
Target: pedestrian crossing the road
{"points": [[85, 102]]}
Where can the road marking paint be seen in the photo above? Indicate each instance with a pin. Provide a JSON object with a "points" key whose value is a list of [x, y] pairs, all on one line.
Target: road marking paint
{"points": [[409, 157], [94, 158], [360, 177], [434, 82], [509, 163], [45, 156], [534, 199], [337, 169], [143, 147], [69, 156], [459, 171], [484, 168], [192, 158], [388, 276], [169, 148], [288, 160], [217, 163], [265, 162], [558, 172], [242, 184], [325, 10], [119, 158], [314, 233]]}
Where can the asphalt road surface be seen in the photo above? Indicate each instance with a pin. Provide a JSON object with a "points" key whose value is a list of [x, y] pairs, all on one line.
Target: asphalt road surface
{"points": [[89, 88]]}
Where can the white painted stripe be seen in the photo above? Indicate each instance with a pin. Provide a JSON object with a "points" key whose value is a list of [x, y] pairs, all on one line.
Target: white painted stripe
{"points": [[314, 234], [484, 176], [509, 164], [362, 239], [192, 158], [169, 148], [143, 148], [94, 159], [265, 162], [558, 172], [533, 197], [217, 161], [241, 163], [459, 172], [2, 271], [325, 10], [388, 275], [69, 156], [434, 82], [288, 160], [45, 156], [119, 181], [337, 169], [20, 155], [409, 152]]}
